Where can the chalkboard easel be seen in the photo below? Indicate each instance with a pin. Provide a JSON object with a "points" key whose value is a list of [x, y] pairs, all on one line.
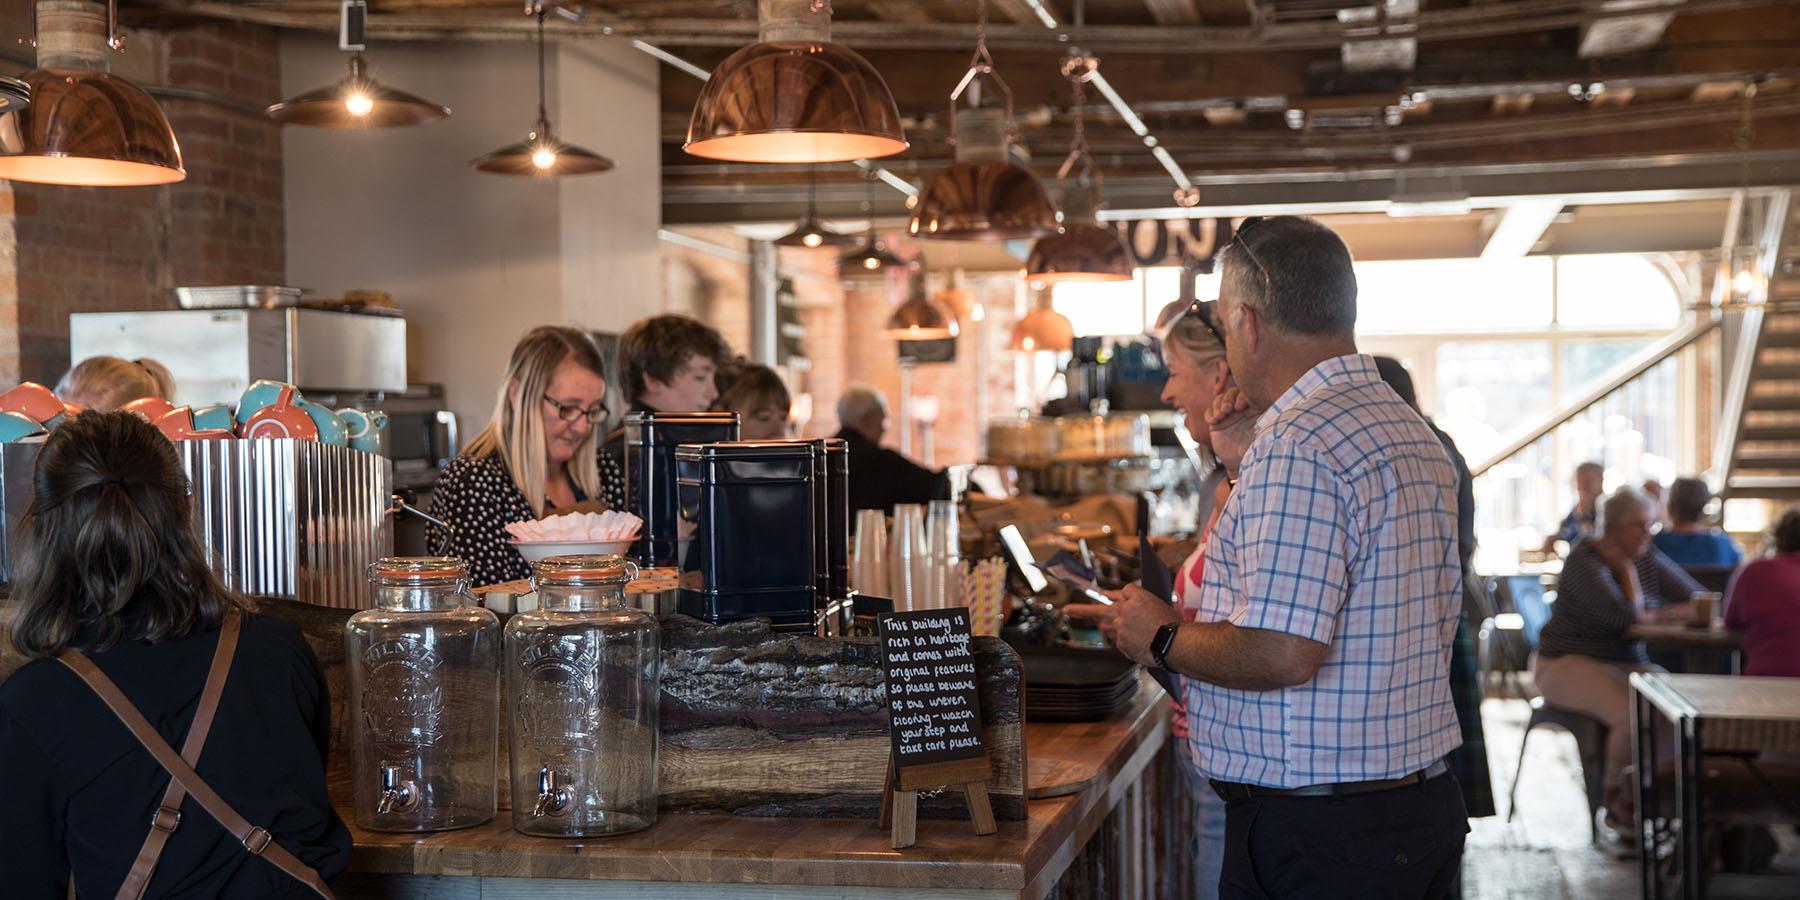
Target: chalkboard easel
{"points": [[900, 798], [934, 718]]}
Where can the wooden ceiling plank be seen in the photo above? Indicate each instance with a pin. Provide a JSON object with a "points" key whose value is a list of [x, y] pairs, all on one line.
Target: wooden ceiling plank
{"points": [[908, 11], [1174, 12]]}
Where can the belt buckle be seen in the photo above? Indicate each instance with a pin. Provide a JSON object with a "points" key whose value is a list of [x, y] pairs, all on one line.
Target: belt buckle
{"points": [[257, 840], [165, 819]]}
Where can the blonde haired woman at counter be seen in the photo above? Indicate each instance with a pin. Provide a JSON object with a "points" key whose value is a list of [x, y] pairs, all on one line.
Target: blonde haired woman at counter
{"points": [[1193, 349], [538, 453], [105, 383]]}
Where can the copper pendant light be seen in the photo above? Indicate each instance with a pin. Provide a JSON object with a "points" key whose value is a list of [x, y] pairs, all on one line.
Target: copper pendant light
{"points": [[356, 100], [541, 154], [920, 318], [983, 196], [84, 126], [794, 96], [810, 232], [1086, 251], [1043, 328]]}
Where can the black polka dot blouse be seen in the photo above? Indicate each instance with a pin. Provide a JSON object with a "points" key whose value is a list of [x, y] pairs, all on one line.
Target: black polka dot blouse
{"points": [[478, 498]]}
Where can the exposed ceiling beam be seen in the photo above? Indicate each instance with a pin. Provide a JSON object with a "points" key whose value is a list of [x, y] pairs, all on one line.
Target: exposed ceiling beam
{"points": [[1174, 12], [910, 11], [1520, 227], [1447, 24], [1319, 190], [1629, 33]]}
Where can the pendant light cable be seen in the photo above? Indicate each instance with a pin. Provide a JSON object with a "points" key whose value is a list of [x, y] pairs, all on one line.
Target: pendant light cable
{"points": [[543, 114]]}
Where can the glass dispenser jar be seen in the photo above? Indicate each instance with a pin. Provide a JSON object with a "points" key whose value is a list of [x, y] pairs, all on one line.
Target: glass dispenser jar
{"points": [[424, 699], [583, 676]]}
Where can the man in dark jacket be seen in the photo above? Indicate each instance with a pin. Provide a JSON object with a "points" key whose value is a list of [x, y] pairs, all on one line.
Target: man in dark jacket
{"points": [[1468, 762], [879, 477]]}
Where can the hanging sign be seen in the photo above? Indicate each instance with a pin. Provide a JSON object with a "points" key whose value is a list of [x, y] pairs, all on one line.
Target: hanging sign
{"points": [[1172, 242]]}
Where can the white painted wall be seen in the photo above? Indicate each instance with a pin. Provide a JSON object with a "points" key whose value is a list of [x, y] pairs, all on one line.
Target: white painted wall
{"points": [[478, 259], [612, 265]]}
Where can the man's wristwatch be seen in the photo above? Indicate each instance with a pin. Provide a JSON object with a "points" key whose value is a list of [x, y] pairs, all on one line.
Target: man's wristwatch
{"points": [[1163, 642]]}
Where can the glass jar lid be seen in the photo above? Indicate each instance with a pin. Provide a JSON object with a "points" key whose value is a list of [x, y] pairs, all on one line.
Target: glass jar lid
{"points": [[421, 571], [584, 571]]}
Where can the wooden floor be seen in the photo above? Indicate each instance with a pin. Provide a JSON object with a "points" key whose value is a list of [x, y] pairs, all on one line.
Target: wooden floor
{"points": [[1544, 853]]}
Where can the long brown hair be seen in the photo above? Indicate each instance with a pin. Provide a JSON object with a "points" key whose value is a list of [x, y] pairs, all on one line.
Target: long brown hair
{"points": [[108, 550]]}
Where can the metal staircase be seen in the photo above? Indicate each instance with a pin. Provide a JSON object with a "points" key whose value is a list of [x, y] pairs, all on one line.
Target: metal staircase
{"points": [[1758, 451]]}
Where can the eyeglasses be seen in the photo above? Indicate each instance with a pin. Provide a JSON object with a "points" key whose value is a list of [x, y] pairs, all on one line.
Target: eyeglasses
{"points": [[571, 412]]}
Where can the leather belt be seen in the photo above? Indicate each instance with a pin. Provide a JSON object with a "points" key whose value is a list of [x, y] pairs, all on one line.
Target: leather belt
{"points": [[1234, 791]]}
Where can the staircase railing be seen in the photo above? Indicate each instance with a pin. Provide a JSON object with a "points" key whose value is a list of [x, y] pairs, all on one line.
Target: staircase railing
{"points": [[1703, 324]]}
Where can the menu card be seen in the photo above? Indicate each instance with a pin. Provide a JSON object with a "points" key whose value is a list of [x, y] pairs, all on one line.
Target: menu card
{"points": [[933, 711]]}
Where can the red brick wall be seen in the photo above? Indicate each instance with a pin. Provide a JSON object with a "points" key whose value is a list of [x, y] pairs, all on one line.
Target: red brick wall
{"points": [[93, 249]]}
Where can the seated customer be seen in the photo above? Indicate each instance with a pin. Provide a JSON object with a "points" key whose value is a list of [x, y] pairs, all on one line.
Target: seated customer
{"points": [[1688, 540], [112, 568], [105, 383], [761, 401], [879, 477], [1584, 660], [537, 453], [1764, 605], [1579, 523]]}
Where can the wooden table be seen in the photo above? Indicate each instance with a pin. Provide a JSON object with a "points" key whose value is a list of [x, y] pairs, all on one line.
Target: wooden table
{"points": [[1695, 644], [1093, 768], [1712, 714]]}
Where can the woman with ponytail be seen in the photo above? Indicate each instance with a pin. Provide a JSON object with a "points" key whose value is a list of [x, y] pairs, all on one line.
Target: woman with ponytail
{"points": [[112, 590]]}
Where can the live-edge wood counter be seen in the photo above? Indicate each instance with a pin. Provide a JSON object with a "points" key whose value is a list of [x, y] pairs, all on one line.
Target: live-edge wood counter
{"points": [[1116, 773]]}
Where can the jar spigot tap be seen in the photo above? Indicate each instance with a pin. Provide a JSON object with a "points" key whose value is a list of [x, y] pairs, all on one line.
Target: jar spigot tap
{"points": [[553, 796], [397, 795]]}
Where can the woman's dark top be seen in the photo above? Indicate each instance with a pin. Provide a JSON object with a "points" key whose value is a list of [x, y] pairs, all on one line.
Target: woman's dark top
{"points": [[1590, 614], [79, 790], [477, 496]]}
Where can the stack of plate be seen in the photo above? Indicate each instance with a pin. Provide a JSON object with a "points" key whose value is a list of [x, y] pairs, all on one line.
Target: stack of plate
{"points": [[1073, 684]]}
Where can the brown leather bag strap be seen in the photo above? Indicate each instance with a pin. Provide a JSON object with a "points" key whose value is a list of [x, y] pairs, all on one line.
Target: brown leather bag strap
{"points": [[168, 814], [255, 839]]}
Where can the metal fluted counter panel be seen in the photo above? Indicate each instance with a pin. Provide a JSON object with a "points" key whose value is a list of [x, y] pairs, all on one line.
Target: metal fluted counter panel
{"points": [[290, 518]]}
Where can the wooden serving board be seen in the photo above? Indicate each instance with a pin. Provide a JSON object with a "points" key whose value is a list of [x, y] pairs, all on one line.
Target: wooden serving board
{"points": [[755, 723]]}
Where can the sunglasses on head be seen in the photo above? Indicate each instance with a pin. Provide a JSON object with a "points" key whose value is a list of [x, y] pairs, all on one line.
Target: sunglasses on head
{"points": [[1202, 309], [1204, 312], [1238, 240]]}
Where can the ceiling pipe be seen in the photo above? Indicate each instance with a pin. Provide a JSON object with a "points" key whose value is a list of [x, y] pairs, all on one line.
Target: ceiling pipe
{"points": [[1186, 194]]}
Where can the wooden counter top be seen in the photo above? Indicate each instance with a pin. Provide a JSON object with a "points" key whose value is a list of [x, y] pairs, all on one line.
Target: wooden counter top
{"points": [[1090, 764]]}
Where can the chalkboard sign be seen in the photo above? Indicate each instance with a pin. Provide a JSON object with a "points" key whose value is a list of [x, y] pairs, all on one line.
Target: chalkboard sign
{"points": [[932, 705]]}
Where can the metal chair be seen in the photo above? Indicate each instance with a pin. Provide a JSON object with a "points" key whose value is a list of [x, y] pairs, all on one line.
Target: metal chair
{"points": [[1533, 607], [1590, 746]]}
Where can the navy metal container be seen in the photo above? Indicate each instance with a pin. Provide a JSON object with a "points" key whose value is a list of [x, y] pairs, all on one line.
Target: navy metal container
{"points": [[755, 549], [650, 493]]}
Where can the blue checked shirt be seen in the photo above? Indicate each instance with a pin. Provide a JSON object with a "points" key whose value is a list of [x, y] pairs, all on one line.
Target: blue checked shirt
{"points": [[1342, 530]]}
